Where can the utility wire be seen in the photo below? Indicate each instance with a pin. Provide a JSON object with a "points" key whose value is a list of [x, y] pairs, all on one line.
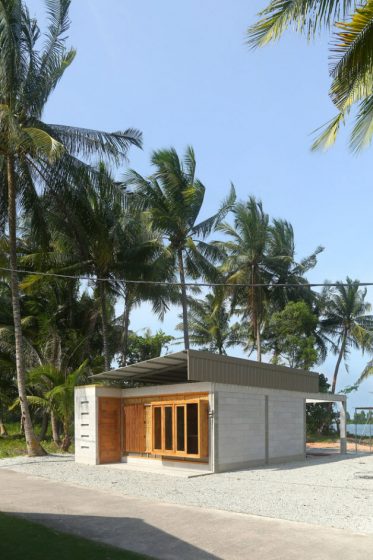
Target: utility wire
{"points": [[188, 284]]}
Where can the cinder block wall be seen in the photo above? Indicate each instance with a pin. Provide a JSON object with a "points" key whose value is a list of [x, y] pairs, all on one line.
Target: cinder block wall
{"points": [[286, 430], [256, 426], [240, 426]]}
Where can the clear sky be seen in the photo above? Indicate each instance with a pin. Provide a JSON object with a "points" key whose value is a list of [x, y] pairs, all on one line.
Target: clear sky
{"points": [[180, 72]]}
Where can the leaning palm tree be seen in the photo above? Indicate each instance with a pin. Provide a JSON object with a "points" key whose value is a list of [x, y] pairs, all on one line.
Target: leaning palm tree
{"points": [[173, 198], [345, 320], [351, 54], [31, 151]]}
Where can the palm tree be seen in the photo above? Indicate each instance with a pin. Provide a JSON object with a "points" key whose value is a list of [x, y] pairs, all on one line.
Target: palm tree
{"points": [[351, 53], [87, 233], [286, 269], [30, 148], [261, 254], [173, 198], [345, 320], [57, 395], [142, 257], [247, 262], [209, 324]]}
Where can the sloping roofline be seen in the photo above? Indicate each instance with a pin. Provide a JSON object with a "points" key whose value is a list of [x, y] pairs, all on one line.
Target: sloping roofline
{"points": [[195, 365]]}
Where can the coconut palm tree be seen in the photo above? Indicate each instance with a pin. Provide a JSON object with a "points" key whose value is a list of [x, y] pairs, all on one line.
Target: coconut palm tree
{"points": [[261, 254], [286, 269], [30, 148], [209, 324], [247, 262], [345, 320], [173, 199], [351, 54]]}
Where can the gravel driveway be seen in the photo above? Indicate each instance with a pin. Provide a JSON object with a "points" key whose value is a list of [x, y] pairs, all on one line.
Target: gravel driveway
{"points": [[329, 491]]}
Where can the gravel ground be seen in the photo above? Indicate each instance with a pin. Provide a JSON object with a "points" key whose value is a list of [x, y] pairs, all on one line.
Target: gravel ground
{"points": [[325, 490]]}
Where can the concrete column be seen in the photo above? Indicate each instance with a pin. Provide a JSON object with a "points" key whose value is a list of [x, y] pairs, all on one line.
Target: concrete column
{"points": [[342, 426], [266, 417]]}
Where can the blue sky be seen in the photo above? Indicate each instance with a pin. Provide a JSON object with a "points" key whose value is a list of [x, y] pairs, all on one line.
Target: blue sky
{"points": [[181, 73]]}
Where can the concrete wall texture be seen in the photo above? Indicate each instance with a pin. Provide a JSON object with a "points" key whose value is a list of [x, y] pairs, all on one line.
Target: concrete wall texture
{"points": [[257, 427], [248, 426]]}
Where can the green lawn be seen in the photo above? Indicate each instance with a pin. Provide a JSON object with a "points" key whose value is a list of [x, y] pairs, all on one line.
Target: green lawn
{"points": [[24, 540], [312, 438]]}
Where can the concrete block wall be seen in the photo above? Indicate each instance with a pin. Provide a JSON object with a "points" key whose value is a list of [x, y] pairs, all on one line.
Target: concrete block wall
{"points": [[240, 429], [257, 426], [86, 425], [286, 429]]}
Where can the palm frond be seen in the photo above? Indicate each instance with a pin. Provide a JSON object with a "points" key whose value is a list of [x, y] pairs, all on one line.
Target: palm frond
{"points": [[353, 51], [304, 16]]}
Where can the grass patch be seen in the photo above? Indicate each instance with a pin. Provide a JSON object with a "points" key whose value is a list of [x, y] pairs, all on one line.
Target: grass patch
{"points": [[313, 438], [14, 444], [21, 539]]}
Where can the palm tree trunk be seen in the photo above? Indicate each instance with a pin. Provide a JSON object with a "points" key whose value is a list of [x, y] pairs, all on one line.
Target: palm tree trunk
{"points": [[253, 303], [104, 325], [34, 449], [340, 356], [3, 430], [55, 430], [258, 342], [66, 439], [125, 326], [183, 299]]}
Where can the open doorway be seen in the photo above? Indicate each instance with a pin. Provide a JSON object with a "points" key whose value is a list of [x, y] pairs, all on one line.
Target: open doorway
{"points": [[325, 420]]}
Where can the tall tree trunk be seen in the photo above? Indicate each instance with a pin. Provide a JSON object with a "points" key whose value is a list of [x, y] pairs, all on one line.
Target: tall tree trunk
{"points": [[253, 305], [184, 302], [44, 426], [339, 360], [55, 430], [125, 325], [258, 343], [3, 430], [102, 290], [66, 439], [34, 449]]}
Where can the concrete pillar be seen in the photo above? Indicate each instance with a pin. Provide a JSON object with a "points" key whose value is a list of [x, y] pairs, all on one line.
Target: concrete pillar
{"points": [[342, 426]]}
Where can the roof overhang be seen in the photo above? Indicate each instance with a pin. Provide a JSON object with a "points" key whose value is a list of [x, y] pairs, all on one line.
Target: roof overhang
{"points": [[172, 368]]}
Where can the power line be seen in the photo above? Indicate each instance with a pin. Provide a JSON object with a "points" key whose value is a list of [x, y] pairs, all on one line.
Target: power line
{"points": [[188, 284]]}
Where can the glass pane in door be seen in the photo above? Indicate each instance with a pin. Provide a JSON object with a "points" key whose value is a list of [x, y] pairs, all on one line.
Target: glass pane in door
{"points": [[180, 428], [168, 428], [157, 434], [192, 428]]}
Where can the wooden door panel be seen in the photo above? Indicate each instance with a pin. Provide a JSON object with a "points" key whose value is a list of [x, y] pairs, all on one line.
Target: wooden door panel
{"points": [[134, 440], [109, 433]]}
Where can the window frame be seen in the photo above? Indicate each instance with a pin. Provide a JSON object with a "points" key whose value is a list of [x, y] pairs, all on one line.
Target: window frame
{"points": [[203, 426]]}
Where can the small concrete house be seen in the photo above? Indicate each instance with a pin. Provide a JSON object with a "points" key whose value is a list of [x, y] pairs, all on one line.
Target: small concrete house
{"points": [[199, 411]]}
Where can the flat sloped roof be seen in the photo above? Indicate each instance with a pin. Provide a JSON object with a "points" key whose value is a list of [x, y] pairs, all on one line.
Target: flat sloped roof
{"points": [[194, 365], [171, 368]]}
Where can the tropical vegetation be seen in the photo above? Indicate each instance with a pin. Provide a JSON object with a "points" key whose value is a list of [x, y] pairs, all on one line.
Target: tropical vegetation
{"points": [[351, 56], [82, 246]]}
